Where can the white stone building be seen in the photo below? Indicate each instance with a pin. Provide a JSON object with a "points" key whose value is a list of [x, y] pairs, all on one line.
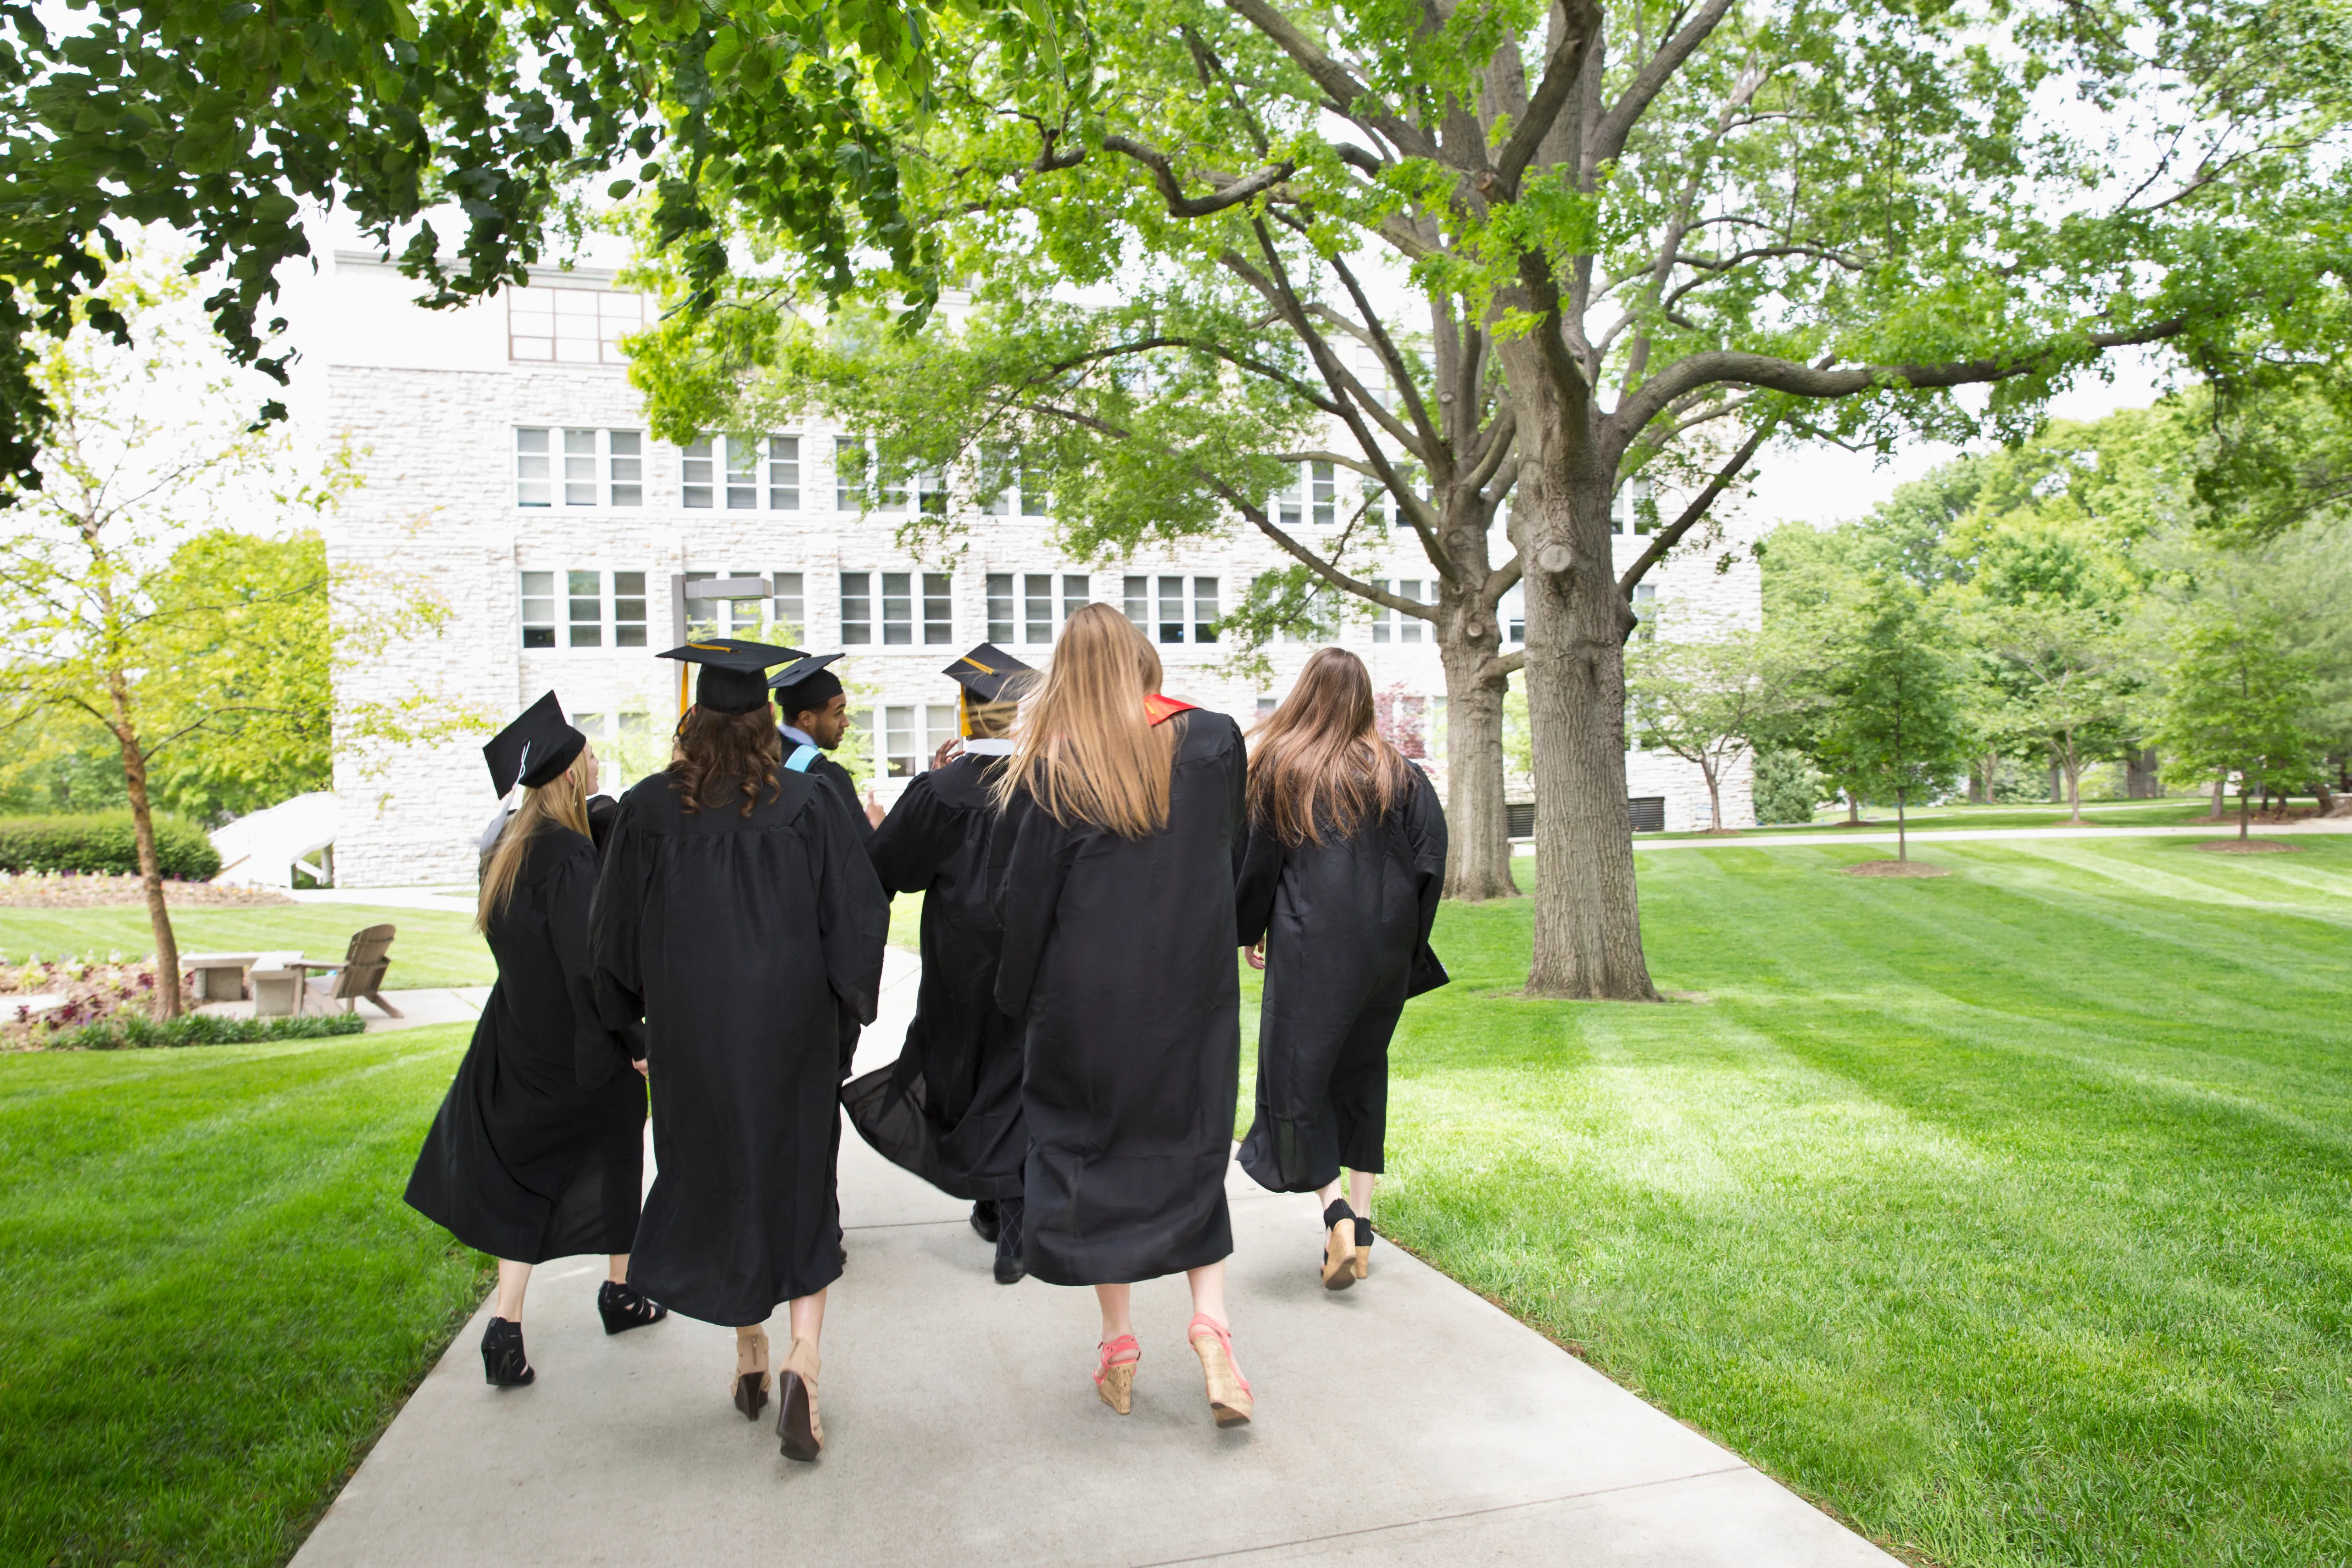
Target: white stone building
{"points": [[506, 467]]}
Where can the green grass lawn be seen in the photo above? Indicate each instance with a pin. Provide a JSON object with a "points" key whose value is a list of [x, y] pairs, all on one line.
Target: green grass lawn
{"points": [[434, 948], [2173, 812], [2009, 1213], [214, 1298]]}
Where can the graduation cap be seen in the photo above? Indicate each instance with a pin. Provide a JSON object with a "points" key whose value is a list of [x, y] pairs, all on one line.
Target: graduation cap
{"points": [[807, 685], [536, 747], [987, 673], [733, 672]]}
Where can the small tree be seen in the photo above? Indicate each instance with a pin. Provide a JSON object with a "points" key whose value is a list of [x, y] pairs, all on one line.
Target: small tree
{"points": [[1709, 703], [2237, 701], [144, 452], [1893, 718]]}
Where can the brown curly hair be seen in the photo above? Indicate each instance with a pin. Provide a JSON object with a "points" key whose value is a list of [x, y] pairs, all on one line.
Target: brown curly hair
{"points": [[720, 751]]}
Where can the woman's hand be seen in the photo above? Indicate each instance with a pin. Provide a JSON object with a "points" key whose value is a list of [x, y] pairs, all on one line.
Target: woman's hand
{"points": [[950, 749], [640, 1065], [1256, 954]]}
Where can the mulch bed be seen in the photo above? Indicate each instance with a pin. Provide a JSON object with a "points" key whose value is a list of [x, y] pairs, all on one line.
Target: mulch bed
{"points": [[1897, 868], [2248, 847], [73, 889]]}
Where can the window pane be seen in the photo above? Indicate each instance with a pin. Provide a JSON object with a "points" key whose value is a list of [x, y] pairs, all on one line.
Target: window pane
{"points": [[625, 466], [898, 741], [857, 607], [579, 468], [539, 609], [788, 604], [784, 477], [848, 473], [931, 495], [695, 469], [1204, 610], [1076, 590], [1137, 598], [1265, 707], [628, 613], [743, 474], [744, 615], [530, 469], [1000, 607], [702, 614], [898, 614], [938, 609], [1285, 502], [1408, 627], [1376, 502], [531, 325], [940, 728], [1171, 610], [1515, 614], [1326, 491], [1034, 502], [1037, 607], [1383, 618], [585, 592]]}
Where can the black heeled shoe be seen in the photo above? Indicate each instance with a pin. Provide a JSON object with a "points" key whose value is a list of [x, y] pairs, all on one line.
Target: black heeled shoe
{"points": [[625, 1307], [1011, 1269], [985, 1218], [504, 1365]]}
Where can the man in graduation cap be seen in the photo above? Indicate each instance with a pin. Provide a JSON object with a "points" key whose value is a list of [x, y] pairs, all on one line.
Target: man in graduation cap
{"points": [[739, 916], [815, 712], [950, 1108]]}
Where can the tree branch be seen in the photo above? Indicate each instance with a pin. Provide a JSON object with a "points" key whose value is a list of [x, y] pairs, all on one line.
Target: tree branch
{"points": [[1672, 535], [1163, 175], [1608, 138]]}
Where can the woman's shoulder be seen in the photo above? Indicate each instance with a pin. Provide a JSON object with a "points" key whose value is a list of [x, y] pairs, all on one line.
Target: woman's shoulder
{"points": [[1208, 736], [656, 806]]}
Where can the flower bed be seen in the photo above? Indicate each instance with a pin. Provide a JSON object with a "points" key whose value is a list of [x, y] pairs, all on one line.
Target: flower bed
{"points": [[92, 993], [84, 889]]}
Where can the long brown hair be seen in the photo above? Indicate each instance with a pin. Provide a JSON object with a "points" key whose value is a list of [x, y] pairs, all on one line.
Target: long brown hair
{"points": [[563, 801], [1082, 746], [1321, 764], [716, 750]]}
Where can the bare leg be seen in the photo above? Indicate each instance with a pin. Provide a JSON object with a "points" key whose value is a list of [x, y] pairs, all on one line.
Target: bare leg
{"points": [[1329, 1193], [807, 1315], [1117, 1303], [1359, 1193], [617, 1268], [1208, 1282], [513, 1279]]}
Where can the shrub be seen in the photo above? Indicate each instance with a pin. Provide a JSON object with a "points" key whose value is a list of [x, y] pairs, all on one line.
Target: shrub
{"points": [[1786, 787], [133, 1031], [104, 843]]}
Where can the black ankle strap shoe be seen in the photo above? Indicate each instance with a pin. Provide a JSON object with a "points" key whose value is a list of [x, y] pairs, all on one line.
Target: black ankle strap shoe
{"points": [[625, 1307], [504, 1365]]}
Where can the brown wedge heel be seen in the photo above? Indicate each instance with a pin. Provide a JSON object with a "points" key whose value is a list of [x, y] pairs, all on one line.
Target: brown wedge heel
{"points": [[1229, 1392], [800, 1433], [1115, 1374]]}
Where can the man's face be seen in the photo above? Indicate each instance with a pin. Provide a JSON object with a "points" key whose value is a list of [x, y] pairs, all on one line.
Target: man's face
{"points": [[825, 725]]}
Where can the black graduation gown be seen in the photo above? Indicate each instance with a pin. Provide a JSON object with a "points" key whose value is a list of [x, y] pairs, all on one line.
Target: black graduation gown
{"points": [[950, 1108], [836, 778], [538, 1151], [739, 939], [1346, 924], [1118, 960]]}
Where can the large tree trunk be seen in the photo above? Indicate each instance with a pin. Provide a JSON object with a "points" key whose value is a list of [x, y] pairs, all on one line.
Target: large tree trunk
{"points": [[1477, 829], [1588, 935], [168, 1004]]}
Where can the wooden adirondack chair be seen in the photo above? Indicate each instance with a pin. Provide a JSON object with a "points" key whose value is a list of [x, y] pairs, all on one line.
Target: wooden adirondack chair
{"points": [[358, 974]]}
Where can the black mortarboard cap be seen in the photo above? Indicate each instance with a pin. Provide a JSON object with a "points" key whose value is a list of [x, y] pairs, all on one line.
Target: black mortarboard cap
{"points": [[536, 747], [733, 677], [807, 684], [987, 671]]}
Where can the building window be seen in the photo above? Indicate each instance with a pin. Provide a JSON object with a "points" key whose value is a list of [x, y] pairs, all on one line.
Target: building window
{"points": [[938, 609], [571, 326], [897, 612], [1037, 607], [1630, 511], [531, 487], [1287, 512], [1373, 372], [626, 467], [789, 607], [1000, 607], [1394, 625], [857, 607], [584, 591], [1076, 591], [743, 474], [1265, 707], [848, 472], [745, 615], [1513, 614], [628, 617], [931, 495], [1376, 504], [784, 475], [1034, 502], [900, 739], [1326, 488], [1171, 610], [1204, 610], [539, 609], [943, 726], [579, 468], [694, 467], [1137, 599], [1645, 610]]}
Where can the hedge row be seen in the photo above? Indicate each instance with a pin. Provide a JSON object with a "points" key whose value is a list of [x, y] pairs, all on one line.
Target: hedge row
{"points": [[104, 842], [131, 1030]]}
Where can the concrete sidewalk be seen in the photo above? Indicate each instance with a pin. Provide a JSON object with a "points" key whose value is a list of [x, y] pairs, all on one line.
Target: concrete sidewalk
{"points": [[1764, 838], [1405, 1421]]}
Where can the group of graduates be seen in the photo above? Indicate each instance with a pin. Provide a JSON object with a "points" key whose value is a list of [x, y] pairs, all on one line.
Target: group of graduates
{"points": [[1090, 854]]}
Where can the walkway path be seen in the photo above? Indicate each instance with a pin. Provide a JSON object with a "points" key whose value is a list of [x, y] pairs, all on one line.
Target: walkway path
{"points": [[1820, 836], [1403, 1422]]}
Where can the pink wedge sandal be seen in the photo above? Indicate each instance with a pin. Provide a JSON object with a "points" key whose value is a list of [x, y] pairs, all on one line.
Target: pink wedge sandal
{"points": [[1115, 1377], [1229, 1391]]}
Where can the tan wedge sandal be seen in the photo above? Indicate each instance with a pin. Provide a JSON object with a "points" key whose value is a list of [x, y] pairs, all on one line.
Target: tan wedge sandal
{"points": [[1115, 1374], [802, 1434], [1338, 1246], [750, 1384], [1229, 1391], [1363, 1247]]}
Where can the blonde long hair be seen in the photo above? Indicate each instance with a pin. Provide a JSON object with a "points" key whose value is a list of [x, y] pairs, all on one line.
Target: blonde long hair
{"points": [[1320, 763], [563, 801], [1083, 748]]}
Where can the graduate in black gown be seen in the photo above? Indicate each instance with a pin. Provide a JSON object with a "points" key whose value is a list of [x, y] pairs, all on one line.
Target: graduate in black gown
{"points": [[1347, 856], [814, 715], [538, 1150], [737, 916], [950, 1108], [1122, 837]]}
